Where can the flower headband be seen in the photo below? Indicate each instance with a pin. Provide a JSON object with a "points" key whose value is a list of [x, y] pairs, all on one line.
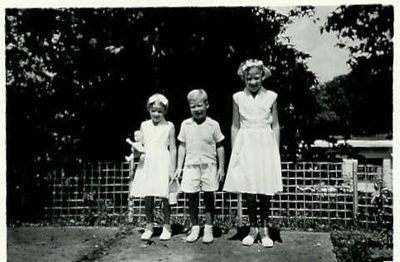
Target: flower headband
{"points": [[157, 98], [246, 65]]}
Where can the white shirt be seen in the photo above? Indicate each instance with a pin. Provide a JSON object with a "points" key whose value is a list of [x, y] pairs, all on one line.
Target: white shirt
{"points": [[200, 140]]}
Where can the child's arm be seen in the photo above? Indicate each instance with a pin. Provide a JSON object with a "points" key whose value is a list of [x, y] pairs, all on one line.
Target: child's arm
{"points": [[221, 161], [181, 157], [235, 123], [172, 151], [275, 123]]}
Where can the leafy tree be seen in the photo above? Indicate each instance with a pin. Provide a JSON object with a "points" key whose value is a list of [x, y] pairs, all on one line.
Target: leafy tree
{"points": [[335, 114], [367, 32], [78, 79]]}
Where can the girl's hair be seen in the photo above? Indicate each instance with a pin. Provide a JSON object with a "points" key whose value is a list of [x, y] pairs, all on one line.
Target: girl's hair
{"points": [[249, 63], [157, 98], [196, 94]]}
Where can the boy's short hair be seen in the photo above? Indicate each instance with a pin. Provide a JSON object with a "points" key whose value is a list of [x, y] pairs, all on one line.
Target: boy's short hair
{"points": [[196, 94], [157, 98]]}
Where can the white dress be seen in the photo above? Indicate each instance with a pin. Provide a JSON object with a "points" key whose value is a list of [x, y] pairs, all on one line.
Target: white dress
{"points": [[152, 178], [255, 165]]}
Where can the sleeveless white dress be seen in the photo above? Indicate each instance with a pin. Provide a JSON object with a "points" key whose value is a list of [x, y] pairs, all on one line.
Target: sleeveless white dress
{"points": [[255, 165], [152, 178]]}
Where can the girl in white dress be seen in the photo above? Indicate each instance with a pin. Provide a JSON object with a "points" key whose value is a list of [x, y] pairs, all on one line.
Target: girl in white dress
{"points": [[255, 167], [152, 178]]}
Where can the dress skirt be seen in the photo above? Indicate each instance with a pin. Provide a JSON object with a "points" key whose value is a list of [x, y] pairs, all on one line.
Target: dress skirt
{"points": [[152, 178], [255, 165]]}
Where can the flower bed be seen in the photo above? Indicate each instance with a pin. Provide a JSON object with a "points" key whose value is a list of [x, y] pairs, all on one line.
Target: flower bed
{"points": [[363, 245]]}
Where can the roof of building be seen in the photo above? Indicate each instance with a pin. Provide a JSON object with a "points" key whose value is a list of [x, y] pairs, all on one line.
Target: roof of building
{"points": [[355, 143]]}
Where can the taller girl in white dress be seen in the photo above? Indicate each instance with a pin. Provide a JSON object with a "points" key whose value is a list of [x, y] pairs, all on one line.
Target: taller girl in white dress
{"points": [[152, 178], [255, 166]]}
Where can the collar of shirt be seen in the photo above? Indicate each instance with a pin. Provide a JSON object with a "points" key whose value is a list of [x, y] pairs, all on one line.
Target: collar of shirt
{"points": [[192, 122], [260, 92]]}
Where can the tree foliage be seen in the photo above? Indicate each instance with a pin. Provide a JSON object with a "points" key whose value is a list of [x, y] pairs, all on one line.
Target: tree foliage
{"points": [[369, 26], [335, 113], [367, 32], [78, 79]]}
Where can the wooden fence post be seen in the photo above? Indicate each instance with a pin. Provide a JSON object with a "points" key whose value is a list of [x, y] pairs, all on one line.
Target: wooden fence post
{"points": [[387, 174], [240, 211], [349, 173]]}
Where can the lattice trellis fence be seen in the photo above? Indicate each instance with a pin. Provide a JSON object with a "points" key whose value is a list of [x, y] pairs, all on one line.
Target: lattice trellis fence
{"points": [[368, 176], [313, 191]]}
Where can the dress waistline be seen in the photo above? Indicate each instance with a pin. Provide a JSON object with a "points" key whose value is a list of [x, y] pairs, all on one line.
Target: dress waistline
{"points": [[255, 126]]}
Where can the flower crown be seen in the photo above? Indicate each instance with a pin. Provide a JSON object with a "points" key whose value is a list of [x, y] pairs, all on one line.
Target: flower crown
{"points": [[157, 98], [253, 63]]}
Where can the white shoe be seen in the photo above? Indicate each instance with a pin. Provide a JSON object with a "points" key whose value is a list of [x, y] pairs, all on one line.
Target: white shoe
{"points": [[194, 234], [251, 237], [266, 241], [148, 233], [208, 234], [166, 233]]}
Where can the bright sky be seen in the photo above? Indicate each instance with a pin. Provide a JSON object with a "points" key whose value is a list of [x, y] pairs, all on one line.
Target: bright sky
{"points": [[327, 60]]}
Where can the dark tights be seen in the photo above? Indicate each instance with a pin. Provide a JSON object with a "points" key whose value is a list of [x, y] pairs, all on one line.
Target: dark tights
{"points": [[194, 207], [265, 203], [149, 208]]}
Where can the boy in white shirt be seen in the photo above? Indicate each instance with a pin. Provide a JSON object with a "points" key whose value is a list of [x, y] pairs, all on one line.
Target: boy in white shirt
{"points": [[202, 156]]}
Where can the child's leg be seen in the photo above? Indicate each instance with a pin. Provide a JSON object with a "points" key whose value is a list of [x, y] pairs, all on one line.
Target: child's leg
{"points": [[166, 211], [166, 232], [194, 217], [209, 207], [194, 208], [265, 204], [252, 211], [149, 208], [209, 210], [251, 208]]}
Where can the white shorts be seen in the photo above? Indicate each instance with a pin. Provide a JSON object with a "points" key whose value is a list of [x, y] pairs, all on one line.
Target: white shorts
{"points": [[202, 177]]}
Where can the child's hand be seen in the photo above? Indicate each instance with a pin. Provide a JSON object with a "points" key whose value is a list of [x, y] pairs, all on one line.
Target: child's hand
{"points": [[220, 174], [177, 174], [171, 176]]}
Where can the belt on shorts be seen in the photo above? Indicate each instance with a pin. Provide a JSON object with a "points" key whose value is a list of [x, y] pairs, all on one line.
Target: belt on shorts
{"points": [[203, 165]]}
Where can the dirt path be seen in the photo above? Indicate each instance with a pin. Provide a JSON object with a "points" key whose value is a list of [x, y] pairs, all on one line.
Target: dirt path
{"points": [[296, 246], [74, 244], [54, 243]]}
